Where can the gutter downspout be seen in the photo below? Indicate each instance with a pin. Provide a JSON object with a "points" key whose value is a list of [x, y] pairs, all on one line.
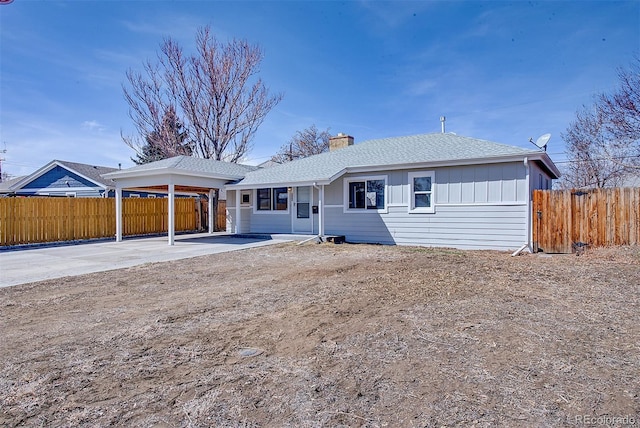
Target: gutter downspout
{"points": [[320, 211], [527, 245]]}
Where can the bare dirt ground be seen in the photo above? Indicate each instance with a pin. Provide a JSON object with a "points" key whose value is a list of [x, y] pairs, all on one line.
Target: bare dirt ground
{"points": [[329, 335]]}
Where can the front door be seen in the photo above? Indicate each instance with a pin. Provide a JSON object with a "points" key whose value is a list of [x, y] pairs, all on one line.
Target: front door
{"points": [[302, 221]]}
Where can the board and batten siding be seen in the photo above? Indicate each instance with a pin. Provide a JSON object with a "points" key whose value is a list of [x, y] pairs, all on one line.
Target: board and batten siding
{"points": [[476, 207]]}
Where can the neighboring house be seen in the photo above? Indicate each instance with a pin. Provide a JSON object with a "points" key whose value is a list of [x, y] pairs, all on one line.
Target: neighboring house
{"points": [[434, 190], [5, 185], [439, 190], [71, 179]]}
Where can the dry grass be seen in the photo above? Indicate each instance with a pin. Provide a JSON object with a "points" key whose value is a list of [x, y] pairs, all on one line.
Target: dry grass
{"points": [[342, 335]]}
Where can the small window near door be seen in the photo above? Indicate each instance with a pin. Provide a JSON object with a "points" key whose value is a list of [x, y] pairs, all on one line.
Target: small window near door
{"points": [[245, 198]]}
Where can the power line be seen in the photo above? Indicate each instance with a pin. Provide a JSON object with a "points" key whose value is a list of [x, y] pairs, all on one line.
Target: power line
{"points": [[599, 159]]}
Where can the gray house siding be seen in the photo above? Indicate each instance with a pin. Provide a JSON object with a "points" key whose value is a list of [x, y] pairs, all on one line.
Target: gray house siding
{"points": [[251, 222], [500, 227], [475, 207], [270, 223], [497, 183]]}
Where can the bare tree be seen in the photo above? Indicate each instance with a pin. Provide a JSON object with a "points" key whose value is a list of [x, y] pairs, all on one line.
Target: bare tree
{"points": [[603, 142], [621, 112], [215, 91], [588, 165], [308, 142]]}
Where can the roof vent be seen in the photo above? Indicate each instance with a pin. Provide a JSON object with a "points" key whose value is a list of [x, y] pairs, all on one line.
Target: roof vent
{"points": [[442, 121]]}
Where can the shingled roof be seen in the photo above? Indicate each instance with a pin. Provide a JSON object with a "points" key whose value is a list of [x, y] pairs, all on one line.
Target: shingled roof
{"points": [[396, 152], [188, 165], [92, 172]]}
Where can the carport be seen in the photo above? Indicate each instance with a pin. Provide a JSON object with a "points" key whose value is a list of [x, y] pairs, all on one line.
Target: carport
{"points": [[177, 174]]}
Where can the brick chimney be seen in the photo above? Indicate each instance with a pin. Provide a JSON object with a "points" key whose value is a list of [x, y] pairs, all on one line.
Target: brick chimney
{"points": [[340, 141]]}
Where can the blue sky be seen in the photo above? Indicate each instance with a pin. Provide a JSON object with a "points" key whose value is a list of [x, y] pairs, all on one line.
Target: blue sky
{"points": [[498, 70]]}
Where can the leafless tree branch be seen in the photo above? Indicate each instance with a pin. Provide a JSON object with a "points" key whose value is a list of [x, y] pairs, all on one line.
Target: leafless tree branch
{"points": [[308, 142], [603, 141], [215, 91]]}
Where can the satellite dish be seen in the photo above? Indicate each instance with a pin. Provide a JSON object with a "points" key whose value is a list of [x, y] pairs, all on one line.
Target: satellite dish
{"points": [[542, 141]]}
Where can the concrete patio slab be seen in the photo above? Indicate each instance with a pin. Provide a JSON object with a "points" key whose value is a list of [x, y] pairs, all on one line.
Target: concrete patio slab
{"points": [[24, 265]]}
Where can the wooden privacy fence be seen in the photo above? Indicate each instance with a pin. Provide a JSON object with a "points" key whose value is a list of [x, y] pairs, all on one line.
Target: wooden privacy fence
{"points": [[35, 219], [221, 216], [566, 221]]}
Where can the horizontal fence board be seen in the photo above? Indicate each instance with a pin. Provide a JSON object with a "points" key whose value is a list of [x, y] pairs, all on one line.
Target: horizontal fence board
{"points": [[45, 219], [566, 221]]}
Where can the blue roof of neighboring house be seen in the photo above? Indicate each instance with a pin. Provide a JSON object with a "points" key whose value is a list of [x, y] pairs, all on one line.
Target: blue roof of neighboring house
{"points": [[90, 173], [389, 152]]}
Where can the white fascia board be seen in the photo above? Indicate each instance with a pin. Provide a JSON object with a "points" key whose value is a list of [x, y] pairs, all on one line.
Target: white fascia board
{"points": [[118, 175], [56, 190], [317, 182], [166, 179], [337, 175], [548, 163], [280, 184], [41, 171], [436, 164]]}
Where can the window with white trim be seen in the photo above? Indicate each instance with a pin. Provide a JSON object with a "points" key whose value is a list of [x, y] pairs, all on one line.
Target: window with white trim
{"points": [[366, 193], [245, 198], [421, 192], [272, 199]]}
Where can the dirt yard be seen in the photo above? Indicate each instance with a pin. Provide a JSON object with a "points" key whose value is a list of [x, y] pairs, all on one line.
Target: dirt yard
{"points": [[329, 335]]}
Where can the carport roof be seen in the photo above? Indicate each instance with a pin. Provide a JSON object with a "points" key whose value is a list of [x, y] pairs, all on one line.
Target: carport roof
{"points": [[186, 165]]}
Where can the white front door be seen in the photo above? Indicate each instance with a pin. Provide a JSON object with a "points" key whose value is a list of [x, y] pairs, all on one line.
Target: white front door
{"points": [[302, 218]]}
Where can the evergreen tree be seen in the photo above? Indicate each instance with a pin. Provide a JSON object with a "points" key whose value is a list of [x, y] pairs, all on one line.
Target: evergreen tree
{"points": [[168, 141]]}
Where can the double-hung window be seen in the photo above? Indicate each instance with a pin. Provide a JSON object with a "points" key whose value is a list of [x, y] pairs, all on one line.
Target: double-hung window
{"points": [[365, 193], [272, 199], [421, 192]]}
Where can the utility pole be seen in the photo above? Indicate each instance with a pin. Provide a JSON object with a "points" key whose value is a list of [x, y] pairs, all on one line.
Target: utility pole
{"points": [[2, 159]]}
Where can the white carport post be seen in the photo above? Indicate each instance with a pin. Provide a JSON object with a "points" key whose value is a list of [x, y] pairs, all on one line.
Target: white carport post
{"points": [[211, 219], [118, 213], [238, 219], [171, 213]]}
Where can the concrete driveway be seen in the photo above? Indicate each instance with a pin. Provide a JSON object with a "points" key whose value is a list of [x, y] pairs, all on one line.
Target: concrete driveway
{"points": [[25, 265]]}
